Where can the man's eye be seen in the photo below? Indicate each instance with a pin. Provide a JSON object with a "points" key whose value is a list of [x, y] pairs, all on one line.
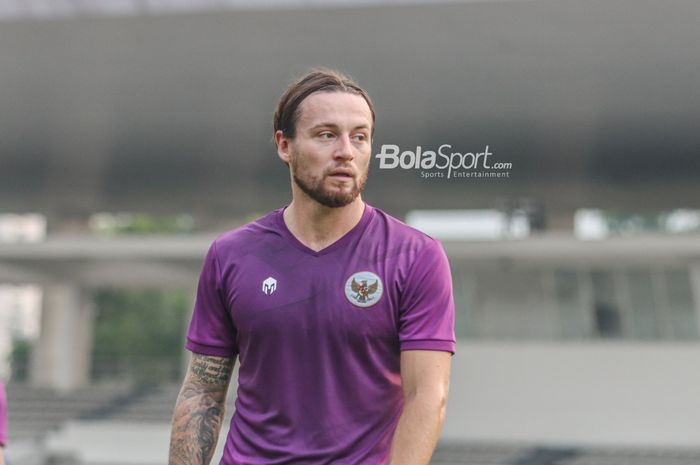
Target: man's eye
{"points": [[360, 137], [325, 135]]}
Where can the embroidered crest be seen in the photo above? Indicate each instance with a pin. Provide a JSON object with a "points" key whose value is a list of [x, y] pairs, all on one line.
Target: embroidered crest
{"points": [[364, 289]]}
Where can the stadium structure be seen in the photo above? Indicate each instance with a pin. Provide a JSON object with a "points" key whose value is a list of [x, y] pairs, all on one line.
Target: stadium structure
{"points": [[576, 276]]}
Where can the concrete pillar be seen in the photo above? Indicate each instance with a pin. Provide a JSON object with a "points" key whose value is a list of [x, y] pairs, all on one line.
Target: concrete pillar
{"points": [[61, 356], [694, 270]]}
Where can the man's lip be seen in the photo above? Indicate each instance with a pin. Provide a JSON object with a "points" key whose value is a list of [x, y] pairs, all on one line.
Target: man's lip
{"points": [[342, 173], [341, 178]]}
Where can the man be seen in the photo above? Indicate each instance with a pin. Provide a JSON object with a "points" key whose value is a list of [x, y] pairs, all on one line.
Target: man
{"points": [[342, 317]]}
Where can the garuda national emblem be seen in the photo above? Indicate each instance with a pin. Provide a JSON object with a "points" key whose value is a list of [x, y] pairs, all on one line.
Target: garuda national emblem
{"points": [[364, 289]]}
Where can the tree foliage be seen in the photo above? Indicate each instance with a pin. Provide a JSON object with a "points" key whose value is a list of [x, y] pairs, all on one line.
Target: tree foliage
{"points": [[139, 334]]}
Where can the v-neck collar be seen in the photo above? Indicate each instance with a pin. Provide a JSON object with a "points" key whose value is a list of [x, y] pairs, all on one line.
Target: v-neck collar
{"points": [[344, 239]]}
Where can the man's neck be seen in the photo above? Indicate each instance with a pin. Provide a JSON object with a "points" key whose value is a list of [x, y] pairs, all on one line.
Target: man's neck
{"points": [[317, 226]]}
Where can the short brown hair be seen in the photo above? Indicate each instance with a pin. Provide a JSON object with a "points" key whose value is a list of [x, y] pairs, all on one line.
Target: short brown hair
{"points": [[316, 80]]}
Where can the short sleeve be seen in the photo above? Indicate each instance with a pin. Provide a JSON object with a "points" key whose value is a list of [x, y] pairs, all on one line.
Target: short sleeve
{"points": [[211, 330], [427, 311]]}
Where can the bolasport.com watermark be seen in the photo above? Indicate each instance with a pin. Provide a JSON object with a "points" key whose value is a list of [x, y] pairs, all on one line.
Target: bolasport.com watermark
{"points": [[444, 162]]}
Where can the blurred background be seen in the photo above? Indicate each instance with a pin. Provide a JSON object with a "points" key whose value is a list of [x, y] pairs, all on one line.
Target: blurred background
{"points": [[132, 132]]}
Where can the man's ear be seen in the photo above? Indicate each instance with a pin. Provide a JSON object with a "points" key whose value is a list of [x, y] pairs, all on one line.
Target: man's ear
{"points": [[282, 144]]}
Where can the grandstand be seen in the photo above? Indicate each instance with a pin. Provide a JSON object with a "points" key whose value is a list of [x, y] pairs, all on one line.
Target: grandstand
{"points": [[35, 411], [95, 425]]}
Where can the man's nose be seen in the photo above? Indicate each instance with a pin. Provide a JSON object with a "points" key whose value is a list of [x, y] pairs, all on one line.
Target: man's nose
{"points": [[344, 149]]}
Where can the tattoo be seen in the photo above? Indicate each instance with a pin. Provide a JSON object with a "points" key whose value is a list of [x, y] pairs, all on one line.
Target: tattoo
{"points": [[212, 370], [199, 410]]}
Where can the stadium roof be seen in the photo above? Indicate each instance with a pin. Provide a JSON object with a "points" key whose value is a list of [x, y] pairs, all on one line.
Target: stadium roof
{"points": [[595, 104]]}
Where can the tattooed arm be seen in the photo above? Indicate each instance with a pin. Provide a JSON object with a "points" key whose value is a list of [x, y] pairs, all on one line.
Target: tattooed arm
{"points": [[199, 410]]}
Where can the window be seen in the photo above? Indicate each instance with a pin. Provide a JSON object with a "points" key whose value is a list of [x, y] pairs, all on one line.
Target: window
{"points": [[499, 301]]}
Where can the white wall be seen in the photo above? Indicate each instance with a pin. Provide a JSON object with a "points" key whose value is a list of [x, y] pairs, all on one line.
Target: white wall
{"points": [[576, 394]]}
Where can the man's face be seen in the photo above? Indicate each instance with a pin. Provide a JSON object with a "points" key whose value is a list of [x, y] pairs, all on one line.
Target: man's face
{"points": [[330, 153]]}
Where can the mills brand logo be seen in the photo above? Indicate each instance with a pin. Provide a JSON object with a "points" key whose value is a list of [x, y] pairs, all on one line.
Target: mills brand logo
{"points": [[269, 285], [443, 163]]}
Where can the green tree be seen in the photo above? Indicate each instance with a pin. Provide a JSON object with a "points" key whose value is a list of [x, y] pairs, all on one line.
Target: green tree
{"points": [[139, 334], [19, 359]]}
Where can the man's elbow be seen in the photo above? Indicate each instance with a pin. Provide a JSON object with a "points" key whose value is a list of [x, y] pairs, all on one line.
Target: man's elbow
{"points": [[442, 406], [433, 398]]}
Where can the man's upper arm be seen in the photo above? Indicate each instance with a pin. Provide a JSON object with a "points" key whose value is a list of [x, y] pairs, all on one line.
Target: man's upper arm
{"points": [[427, 312], [212, 330], [211, 336], [425, 372], [209, 373]]}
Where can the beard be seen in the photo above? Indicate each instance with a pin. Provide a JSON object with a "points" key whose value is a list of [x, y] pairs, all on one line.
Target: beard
{"points": [[313, 186]]}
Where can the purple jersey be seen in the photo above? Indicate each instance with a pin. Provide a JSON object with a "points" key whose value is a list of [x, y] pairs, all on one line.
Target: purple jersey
{"points": [[319, 335], [3, 415]]}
